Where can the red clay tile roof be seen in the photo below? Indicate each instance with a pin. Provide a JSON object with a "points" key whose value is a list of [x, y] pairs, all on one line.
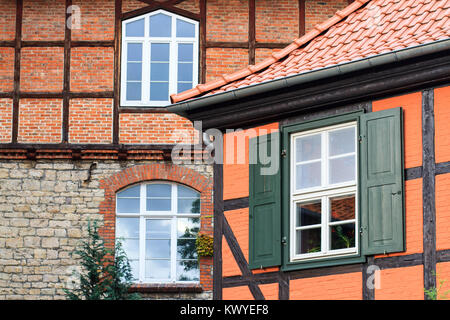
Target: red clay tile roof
{"points": [[363, 29]]}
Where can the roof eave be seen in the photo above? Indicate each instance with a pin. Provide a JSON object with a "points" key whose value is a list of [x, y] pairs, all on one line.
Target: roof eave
{"points": [[185, 107]]}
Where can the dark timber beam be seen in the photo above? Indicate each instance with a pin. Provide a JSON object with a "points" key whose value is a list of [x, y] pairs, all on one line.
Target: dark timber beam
{"points": [[66, 77], [429, 190], [117, 49], [17, 53], [203, 43], [251, 31], [218, 231], [301, 18]]}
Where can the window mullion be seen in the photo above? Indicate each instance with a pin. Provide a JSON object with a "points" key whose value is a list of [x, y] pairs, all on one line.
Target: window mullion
{"points": [[173, 254]]}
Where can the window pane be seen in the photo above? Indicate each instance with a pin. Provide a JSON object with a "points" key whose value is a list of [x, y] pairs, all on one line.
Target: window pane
{"points": [[131, 248], [158, 204], [127, 228], [309, 213], [308, 241], [186, 52], [160, 52], [343, 236], [160, 25], [135, 28], [185, 72], [134, 264], [134, 52], [342, 208], [159, 190], [186, 249], [130, 192], [188, 270], [158, 228], [342, 169], [187, 227], [133, 91], [159, 72], [134, 71], [342, 141], [184, 86], [308, 148], [127, 205], [159, 91], [184, 192], [185, 29], [188, 205], [157, 249], [157, 269], [308, 175]]}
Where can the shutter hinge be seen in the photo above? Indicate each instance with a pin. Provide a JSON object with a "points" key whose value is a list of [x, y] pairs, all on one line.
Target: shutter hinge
{"points": [[283, 153], [284, 241], [360, 139]]}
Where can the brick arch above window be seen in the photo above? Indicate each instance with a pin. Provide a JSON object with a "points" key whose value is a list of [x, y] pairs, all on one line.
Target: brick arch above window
{"points": [[149, 172]]}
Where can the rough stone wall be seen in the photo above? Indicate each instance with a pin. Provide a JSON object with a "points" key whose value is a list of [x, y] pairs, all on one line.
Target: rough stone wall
{"points": [[44, 209]]}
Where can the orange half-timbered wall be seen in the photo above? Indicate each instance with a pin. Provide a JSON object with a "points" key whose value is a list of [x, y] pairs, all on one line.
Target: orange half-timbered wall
{"points": [[67, 80], [402, 275]]}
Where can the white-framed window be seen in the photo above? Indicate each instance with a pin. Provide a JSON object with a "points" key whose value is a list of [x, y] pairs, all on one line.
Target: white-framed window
{"points": [[158, 222], [159, 58], [323, 199]]}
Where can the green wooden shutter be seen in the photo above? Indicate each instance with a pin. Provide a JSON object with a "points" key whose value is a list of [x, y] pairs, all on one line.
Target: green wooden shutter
{"points": [[382, 191], [264, 202]]}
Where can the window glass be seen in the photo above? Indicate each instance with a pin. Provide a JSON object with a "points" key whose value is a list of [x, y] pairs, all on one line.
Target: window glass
{"points": [[185, 29], [135, 28], [309, 213], [160, 25]]}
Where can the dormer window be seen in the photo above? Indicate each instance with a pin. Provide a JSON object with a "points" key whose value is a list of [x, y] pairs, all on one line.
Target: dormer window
{"points": [[159, 58]]}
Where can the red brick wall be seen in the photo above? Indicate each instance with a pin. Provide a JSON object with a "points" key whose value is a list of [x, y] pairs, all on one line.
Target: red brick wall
{"points": [[5, 123], [90, 120], [96, 22], [91, 68], [318, 11], [42, 69], [276, 17], [227, 20], [43, 19], [8, 19], [6, 69], [40, 120], [155, 128]]}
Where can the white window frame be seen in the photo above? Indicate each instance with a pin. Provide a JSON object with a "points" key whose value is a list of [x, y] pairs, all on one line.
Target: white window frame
{"points": [[144, 215], [146, 41], [323, 193]]}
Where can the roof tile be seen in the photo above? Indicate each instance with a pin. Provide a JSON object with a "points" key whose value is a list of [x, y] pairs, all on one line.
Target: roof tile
{"points": [[364, 28]]}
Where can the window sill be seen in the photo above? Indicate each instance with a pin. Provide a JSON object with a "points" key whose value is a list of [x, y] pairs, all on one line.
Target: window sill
{"points": [[166, 288]]}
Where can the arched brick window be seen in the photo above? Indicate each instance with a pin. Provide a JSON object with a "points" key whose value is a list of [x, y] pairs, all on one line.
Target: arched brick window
{"points": [[169, 204], [158, 222]]}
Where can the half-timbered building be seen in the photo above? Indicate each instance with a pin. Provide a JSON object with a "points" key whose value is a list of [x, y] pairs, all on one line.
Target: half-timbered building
{"points": [[85, 132], [342, 190]]}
